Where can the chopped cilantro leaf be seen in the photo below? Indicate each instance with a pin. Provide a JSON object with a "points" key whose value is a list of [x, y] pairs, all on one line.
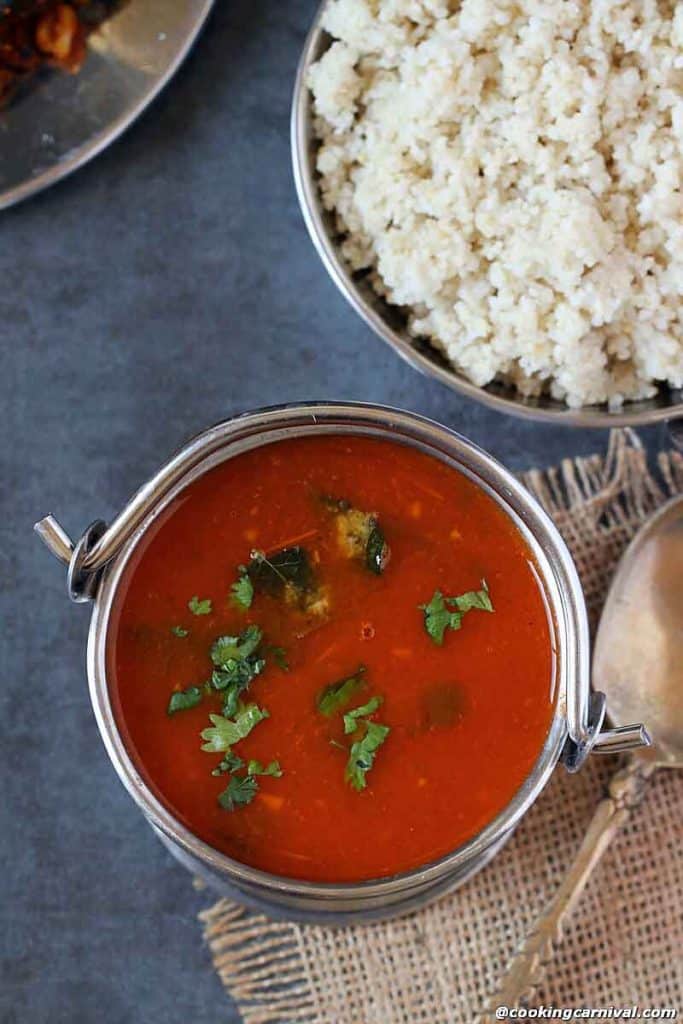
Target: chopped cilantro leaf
{"points": [[180, 631], [229, 763], [225, 731], [351, 717], [279, 656], [256, 768], [337, 695], [227, 649], [362, 755], [473, 599], [237, 662], [198, 607], [241, 790], [438, 617], [242, 590], [181, 700]]}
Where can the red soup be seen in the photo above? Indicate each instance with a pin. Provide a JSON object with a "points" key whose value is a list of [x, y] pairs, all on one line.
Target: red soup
{"points": [[331, 658]]}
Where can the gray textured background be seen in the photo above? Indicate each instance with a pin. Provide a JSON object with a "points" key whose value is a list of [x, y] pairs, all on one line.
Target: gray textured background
{"points": [[167, 285]]}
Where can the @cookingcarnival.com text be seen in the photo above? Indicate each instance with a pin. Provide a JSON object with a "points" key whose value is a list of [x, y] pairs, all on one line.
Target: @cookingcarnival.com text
{"points": [[586, 1013]]}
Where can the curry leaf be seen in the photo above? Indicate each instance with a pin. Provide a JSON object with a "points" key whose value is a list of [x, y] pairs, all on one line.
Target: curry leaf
{"points": [[271, 574], [376, 551]]}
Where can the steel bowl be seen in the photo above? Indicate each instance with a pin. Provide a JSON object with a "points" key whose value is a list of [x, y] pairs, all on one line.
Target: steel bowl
{"points": [[98, 562], [389, 322], [59, 121]]}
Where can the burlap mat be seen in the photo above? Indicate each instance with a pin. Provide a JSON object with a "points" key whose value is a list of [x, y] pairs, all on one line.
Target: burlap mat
{"points": [[440, 964]]}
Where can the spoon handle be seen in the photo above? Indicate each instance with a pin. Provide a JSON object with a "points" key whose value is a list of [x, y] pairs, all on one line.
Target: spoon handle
{"points": [[525, 971]]}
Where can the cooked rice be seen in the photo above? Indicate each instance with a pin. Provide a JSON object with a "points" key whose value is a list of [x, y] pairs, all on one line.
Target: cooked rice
{"points": [[511, 171]]}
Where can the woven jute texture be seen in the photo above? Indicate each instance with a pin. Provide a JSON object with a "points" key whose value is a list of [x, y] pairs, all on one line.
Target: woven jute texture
{"points": [[439, 965]]}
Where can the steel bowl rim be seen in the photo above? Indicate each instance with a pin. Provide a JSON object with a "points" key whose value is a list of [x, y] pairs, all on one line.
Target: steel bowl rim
{"points": [[309, 201], [572, 629]]}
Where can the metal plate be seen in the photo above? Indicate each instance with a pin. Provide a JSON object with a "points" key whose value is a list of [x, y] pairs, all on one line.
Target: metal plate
{"points": [[60, 121]]}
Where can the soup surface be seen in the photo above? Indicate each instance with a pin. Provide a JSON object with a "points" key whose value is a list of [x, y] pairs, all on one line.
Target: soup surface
{"points": [[289, 582]]}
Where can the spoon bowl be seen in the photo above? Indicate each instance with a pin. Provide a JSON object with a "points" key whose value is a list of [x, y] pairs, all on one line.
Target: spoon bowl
{"points": [[638, 659]]}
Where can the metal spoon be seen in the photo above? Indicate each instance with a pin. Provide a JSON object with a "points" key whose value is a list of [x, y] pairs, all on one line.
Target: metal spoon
{"points": [[638, 664]]}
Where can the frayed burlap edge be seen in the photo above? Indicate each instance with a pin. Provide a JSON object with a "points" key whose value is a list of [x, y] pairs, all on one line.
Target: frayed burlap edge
{"points": [[278, 972]]}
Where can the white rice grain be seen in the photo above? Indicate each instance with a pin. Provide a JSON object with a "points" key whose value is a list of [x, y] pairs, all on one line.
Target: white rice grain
{"points": [[511, 171]]}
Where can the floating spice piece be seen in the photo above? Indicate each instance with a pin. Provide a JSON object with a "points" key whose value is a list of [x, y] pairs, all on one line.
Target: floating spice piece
{"points": [[376, 551], [288, 574], [273, 574]]}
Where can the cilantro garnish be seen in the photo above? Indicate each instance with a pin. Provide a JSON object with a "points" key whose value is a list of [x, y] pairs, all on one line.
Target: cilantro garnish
{"points": [[228, 764], [198, 607], [473, 599], [225, 731], [362, 755], [438, 616], [279, 656], [256, 768], [240, 790], [337, 695], [351, 717], [181, 700], [242, 590], [180, 631], [227, 649], [237, 662]]}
